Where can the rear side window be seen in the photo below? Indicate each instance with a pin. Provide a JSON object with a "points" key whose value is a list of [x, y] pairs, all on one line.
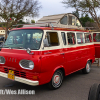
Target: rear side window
{"points": [[71, 38], [88, 38], [96, 37], [52, 38], [64, 20], [80, 38], [63, 37]]}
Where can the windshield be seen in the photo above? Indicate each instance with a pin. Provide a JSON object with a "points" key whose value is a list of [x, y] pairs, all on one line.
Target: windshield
{"points": [[23, 39]]}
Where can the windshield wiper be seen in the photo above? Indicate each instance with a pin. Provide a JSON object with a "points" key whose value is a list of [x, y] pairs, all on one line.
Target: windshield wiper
{"points": [[6, 46], [19, 47]]}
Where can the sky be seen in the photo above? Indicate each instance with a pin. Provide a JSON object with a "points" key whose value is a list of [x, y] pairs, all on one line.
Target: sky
{"points": [[52, 7]]}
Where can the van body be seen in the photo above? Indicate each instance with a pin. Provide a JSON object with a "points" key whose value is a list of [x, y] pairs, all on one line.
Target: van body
{"points": [[40, 55]]}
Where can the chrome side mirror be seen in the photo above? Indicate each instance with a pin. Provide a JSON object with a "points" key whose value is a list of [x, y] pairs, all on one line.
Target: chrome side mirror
{"points": [[29, 51]]}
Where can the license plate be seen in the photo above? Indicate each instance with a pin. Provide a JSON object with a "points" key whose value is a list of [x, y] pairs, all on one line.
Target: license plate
{"points": [[11, 75]]}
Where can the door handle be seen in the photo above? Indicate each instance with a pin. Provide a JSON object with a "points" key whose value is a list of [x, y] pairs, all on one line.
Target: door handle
{"points": [[47, 52], [62, 53]]}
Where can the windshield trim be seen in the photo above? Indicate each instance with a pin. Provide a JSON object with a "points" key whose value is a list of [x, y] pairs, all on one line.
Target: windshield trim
{"points": [[26, 48]]}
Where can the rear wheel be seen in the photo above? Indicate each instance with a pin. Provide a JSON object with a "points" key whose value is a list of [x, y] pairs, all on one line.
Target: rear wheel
{"points": [[87, 68], [56, 80], [94, 93]]}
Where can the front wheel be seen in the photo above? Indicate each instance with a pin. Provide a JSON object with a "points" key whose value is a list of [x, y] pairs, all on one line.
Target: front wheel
{"points": [[56, 80], [87, 68]]}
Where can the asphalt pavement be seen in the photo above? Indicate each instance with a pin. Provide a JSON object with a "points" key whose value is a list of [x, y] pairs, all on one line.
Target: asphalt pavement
{"points": [[75, 87]]}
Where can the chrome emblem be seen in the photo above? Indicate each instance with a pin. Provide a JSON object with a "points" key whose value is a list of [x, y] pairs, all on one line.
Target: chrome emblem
{"points": [[11, 59]]}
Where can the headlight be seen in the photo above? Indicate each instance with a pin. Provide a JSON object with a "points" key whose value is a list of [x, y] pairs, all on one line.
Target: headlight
{"points": [[2, 60], [31, 65], [26, 64]]}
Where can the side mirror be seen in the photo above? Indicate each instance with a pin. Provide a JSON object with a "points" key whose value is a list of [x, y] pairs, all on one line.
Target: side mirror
{"points": [[29, 51]]}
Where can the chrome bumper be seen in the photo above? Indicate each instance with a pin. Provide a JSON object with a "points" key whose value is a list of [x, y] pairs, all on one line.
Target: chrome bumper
{"points": [[22, 80]]}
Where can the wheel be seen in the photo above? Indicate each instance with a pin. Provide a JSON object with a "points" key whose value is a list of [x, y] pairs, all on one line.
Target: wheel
{"points": [[56, 80], [94, 93], [87, 68]]}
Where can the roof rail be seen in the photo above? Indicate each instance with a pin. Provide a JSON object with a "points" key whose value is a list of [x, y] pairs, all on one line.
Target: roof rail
{"points": [[40, 24]]}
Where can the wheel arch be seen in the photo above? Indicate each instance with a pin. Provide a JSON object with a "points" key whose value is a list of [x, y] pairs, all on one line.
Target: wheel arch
{"points": [[59, 68], [90, 60]]}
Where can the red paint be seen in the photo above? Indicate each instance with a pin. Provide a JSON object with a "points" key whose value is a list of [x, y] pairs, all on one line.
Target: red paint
{"points": [[50, 28], [97, 50]]}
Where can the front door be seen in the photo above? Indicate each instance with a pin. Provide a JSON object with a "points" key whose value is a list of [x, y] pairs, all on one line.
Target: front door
{"points": [[52, 54]]}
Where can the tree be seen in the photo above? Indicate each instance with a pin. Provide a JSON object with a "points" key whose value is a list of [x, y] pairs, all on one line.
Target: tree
{"points": [[32, 21], [21, 22], [85, 19], [12, 11], [76, 13], [85, 6]]}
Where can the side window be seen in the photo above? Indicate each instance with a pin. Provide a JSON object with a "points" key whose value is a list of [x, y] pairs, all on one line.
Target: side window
{"points": [[64, 20], [80, 38], [73, 20], [51, 39], [96, 37], [63, 37], [88, 38], [71, 38], [78, 23], [70, 20]]}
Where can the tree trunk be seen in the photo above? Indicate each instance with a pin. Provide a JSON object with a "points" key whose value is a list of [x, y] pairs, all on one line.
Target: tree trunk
{"points": [[6, 31]]}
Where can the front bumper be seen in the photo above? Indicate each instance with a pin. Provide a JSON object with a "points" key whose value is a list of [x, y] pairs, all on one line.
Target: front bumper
{"points": [[22, 80]]}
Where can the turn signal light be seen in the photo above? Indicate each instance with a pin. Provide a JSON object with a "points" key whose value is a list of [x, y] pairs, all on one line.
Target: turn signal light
{"points": [[35, 77]]}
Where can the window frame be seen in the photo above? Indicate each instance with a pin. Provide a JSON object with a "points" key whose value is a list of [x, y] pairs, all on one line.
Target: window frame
{"points": [[57, 37], [67, 38], [83, 38], [40, 41], [91, 37], [62, 18]]}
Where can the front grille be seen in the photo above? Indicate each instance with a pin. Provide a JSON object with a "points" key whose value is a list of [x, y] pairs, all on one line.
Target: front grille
{"points": [[6, 70], [2, 60], [23, 74], [16, 73]]}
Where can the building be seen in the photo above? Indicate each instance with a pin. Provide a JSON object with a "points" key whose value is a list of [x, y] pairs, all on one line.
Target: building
{"points": [[2, 32]]}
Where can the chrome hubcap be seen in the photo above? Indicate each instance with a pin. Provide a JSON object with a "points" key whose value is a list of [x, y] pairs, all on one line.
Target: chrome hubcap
{"points": [[56, 79], [88, 67]]}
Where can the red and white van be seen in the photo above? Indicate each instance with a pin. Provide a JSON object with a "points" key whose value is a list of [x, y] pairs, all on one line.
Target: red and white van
{"points": [[96, 41], [40, 55]]}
